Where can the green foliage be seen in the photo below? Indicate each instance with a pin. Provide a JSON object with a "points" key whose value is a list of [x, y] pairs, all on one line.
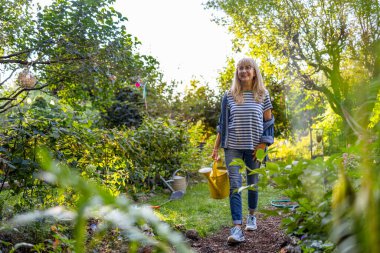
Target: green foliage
{"points": [[225, 77], [288, 150], [375, 118], [78, 50], [125, 110], [201, 143], [158, 146], [13, 28], [309, 183], [94, 200], [329, 194], [280, 109], [303, 107], [36, 231], [199, 103], [318, 43], [81, 53], [325, 139], [355, 209], [123, 160]]}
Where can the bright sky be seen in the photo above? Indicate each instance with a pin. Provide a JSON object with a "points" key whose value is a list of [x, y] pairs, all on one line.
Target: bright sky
{"points": [[180, 35]]}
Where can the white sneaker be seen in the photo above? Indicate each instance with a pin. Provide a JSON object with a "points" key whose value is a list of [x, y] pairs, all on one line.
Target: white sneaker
{"points": [[236, 236], [251, 223]]}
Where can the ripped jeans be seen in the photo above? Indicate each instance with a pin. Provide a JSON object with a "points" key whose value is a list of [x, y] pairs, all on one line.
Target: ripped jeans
{"points": [[236, 182]]}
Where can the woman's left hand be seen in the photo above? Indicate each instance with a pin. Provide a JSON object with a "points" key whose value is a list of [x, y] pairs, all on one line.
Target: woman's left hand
{"points": [[260, 146]]}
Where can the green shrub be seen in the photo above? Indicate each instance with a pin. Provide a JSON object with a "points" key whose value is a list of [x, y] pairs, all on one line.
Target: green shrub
{"points": [[95, 201], [122, 159], [288, 150], [126, 110]]}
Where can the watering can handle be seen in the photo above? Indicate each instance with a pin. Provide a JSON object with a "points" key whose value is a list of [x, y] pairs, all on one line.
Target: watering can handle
{"points": [[166, 183], [186, 175], [219, 161]]}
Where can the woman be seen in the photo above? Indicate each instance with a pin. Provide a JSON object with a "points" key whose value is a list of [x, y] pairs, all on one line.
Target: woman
{"points": [[245, 126]]}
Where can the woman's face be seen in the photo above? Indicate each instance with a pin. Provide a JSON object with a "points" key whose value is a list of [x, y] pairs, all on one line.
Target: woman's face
{"points": [[246, 73]]}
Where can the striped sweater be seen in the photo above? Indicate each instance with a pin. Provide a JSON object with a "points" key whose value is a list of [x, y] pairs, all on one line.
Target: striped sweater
{"points": [[241, 126]]}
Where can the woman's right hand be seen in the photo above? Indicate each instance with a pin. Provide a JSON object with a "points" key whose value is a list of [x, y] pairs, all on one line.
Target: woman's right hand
{"points": [[215, 155]]}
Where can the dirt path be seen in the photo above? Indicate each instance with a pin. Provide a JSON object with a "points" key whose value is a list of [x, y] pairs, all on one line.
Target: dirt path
{"points": [[267, 238]]}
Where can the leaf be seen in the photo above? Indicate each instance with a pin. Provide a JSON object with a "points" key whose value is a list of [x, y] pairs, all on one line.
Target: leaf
{"points": [[251, 187], [261, 171], [260, 154], [237, 162], [272, 167], [240, 163]]}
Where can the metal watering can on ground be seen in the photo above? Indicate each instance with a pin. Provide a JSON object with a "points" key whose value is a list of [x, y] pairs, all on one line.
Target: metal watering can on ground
{"points": [[178, 183], [218, 181], [178, 187]]}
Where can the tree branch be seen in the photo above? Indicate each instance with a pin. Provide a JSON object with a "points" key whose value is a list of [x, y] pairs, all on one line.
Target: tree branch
{"points": [[10, 97], [3, 82], [317, 66], [42, 62], [17, 54], [310, 84], [7, 105], [305, 28], [12, 105]]}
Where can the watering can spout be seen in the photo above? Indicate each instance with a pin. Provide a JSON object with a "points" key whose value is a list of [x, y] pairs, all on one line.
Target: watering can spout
{"points": [[207, 173]]}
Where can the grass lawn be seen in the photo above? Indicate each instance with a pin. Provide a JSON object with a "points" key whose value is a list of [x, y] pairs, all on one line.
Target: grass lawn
{"points": [[196, 210]]}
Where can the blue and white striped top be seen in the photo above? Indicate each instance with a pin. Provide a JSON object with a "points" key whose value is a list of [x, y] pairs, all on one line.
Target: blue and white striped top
{"points": [[245, 126]]}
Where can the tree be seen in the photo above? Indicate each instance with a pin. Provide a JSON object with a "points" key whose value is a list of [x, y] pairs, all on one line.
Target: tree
{"points": [[78, 50], [199, 104], [125, 110], [331, 46]]}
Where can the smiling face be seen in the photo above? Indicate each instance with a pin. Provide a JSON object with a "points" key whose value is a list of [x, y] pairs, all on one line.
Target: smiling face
{"points": [[247, 78], [246, 72]]}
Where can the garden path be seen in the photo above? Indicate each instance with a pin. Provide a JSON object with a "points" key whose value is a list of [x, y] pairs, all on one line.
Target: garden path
{"points": [[268, 238]]}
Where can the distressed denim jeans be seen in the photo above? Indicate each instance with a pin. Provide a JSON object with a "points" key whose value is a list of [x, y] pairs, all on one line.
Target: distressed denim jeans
{"points": [[236, 181]]}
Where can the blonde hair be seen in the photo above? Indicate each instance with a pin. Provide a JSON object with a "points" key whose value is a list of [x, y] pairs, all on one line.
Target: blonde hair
{"points": [[258, 88]]}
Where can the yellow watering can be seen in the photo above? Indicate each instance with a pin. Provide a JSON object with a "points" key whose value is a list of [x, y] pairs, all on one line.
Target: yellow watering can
{"points": [[218, 181]]}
